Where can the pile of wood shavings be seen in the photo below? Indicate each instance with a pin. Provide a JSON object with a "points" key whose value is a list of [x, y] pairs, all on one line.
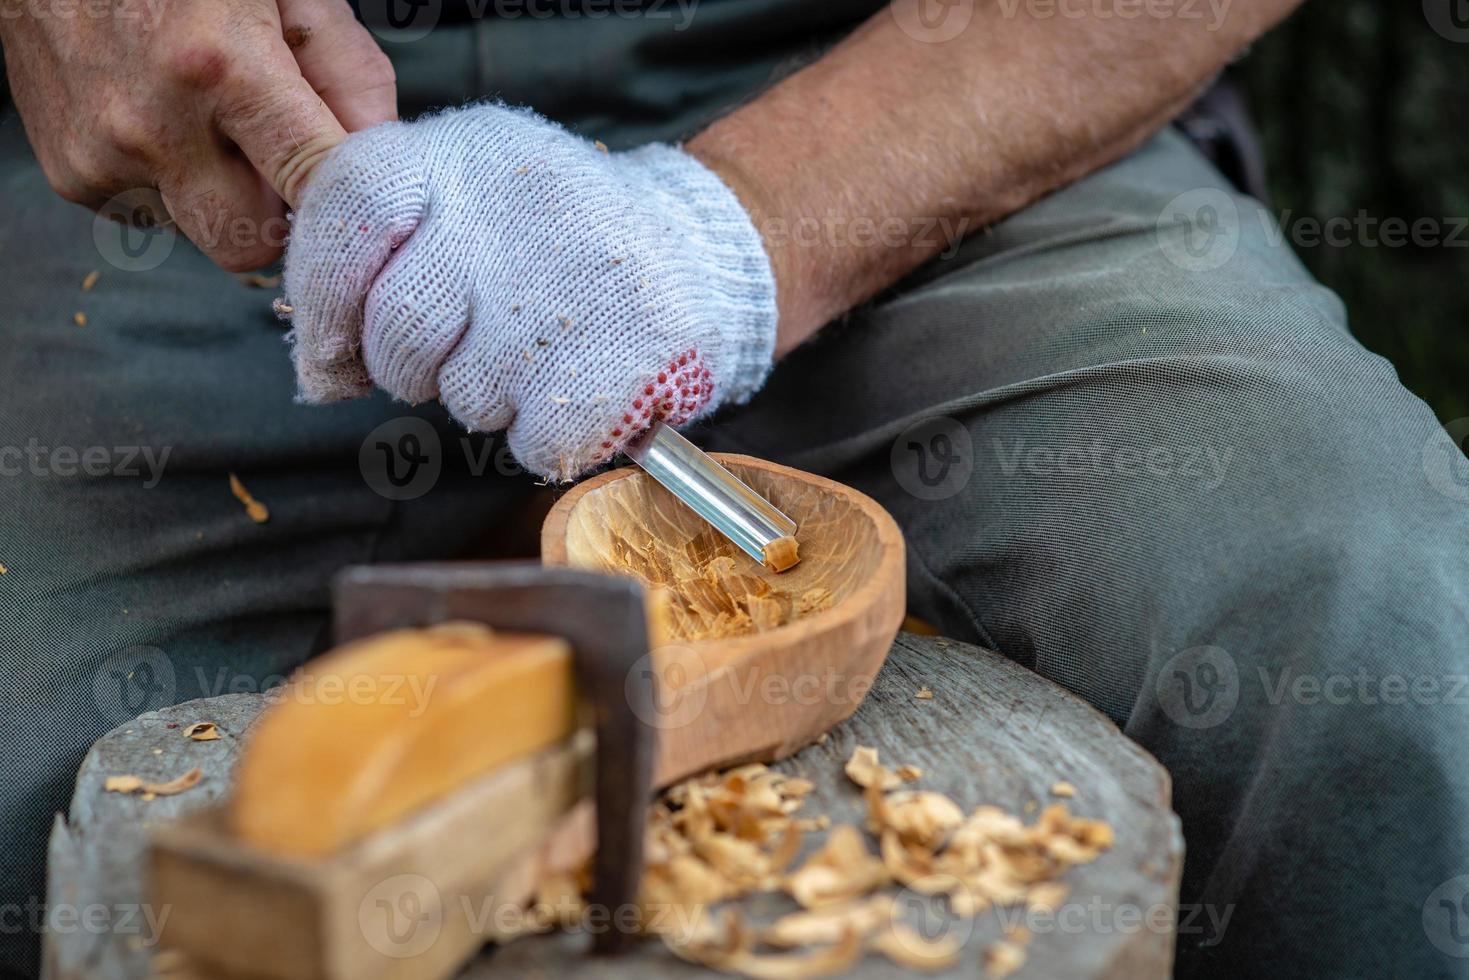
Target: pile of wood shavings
{"points": [[711, 594], [720, 837]]}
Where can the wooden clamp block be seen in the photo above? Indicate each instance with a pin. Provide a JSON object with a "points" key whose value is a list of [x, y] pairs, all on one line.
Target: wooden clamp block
{"points": [[343, 816]]}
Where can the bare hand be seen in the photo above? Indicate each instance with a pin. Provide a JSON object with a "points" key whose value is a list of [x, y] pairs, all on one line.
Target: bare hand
{"points": [[224, 106]]}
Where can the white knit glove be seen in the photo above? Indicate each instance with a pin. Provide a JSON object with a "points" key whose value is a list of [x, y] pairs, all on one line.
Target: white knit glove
{"points": [[528, 279]]}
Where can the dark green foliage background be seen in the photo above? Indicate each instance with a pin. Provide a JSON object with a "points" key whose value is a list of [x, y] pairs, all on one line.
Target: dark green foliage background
{"points": [[1363, 106]]}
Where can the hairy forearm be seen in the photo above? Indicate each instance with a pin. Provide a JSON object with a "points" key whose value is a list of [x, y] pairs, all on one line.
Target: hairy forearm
{"points": [[869, 161]]}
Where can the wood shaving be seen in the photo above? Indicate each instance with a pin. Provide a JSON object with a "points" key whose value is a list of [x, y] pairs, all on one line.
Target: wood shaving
{"points": [[864, 769], [781, 554], [711, 590], [906, 947], [843, 869], [136, 784], [919, 817], [202, 731], [830, 924], [924, 694], [79, 318], [729, 948], [257, 511], [1002, 959], [90, 280], [259, 281], [909, 773], [1063, 788], [720, 837], [1046, 897], [4, 569]]}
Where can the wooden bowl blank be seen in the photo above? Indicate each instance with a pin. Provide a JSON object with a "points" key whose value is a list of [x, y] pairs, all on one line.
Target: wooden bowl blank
{"points": [[752, 665]]}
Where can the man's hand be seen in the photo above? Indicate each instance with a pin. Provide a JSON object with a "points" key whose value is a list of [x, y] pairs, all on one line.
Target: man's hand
{"points": [[936, 118], [224, 106], [530, 280]]}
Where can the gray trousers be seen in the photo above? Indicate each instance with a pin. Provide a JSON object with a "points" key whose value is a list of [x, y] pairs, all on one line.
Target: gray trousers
{"points": [[1131, 443]]}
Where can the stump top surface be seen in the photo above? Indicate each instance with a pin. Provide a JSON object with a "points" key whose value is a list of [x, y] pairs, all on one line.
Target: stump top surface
{"points": [[993, 733]]}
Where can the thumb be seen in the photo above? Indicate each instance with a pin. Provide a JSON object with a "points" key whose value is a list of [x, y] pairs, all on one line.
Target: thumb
{"points": [[278, 121]]}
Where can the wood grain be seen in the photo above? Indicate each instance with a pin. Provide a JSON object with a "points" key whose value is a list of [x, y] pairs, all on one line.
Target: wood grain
{"points": [[368, 733], [993, 733], [754, 664]]}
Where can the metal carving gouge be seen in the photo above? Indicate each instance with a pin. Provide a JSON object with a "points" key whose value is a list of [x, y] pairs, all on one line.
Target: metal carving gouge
{"points": [[753, 523]]}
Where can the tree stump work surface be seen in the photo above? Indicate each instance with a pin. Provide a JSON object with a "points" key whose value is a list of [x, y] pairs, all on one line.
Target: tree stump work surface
{"points": [[993, 733]]}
